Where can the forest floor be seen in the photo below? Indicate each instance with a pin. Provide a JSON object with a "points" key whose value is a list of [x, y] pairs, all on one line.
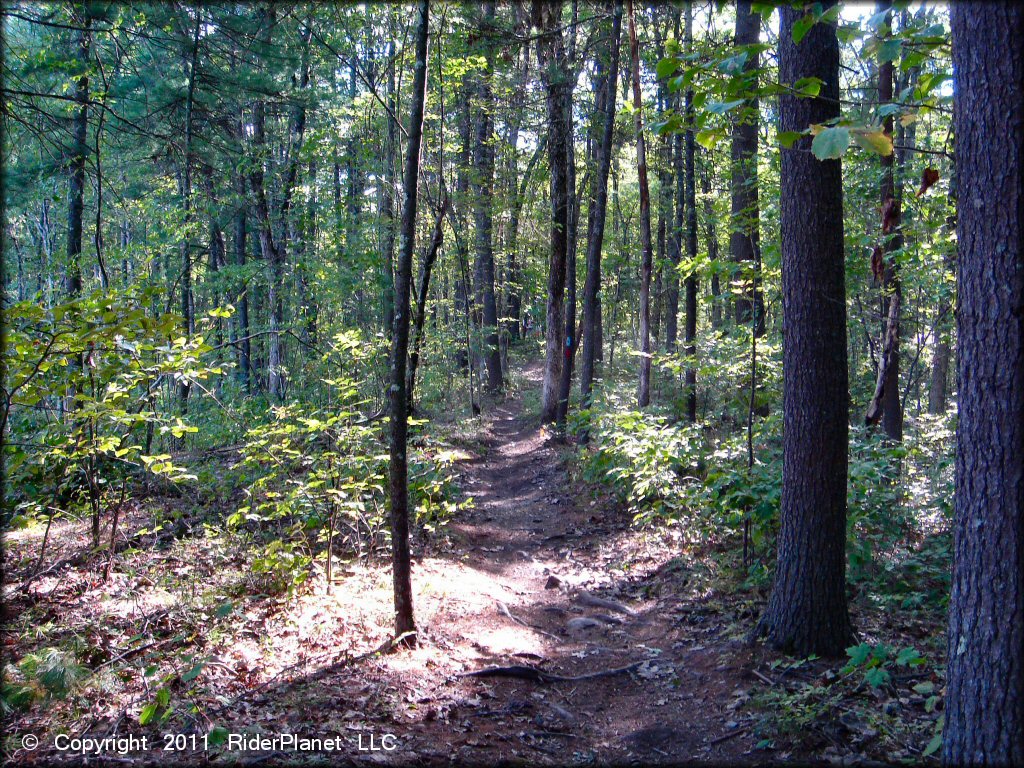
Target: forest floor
{"points": [[541, 572]]}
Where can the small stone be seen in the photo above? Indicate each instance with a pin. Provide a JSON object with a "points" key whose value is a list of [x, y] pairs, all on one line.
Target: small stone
{"points": [[553, 582]]}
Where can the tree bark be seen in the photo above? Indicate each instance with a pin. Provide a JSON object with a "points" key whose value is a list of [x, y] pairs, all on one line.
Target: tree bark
{"points": [[885, 404], [554, 68], [984, 706], [598, 213], [483, 213], [807, 610], [420, 316], [691, 242], [399, 460], [644, 388], [187, 314], [744, 236], [711, 233], [942, 354]]}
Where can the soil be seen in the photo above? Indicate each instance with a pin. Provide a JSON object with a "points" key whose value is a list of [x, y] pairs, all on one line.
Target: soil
{"points": [[518, 588], [543, 572]]}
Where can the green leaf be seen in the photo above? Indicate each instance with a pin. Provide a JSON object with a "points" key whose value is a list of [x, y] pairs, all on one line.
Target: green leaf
{"points": [[802, 27], [147, 713], [808, 86], [708, 139], [876, 677], [721, 107], [225, 609], [909, 656], [889, 51], [925, 688], [874, 141], [193, 673], [667, 67], [217, 736], [789, 138], [858, 654], [933, 746], [734, 64], [878, 20], [831, 143]]}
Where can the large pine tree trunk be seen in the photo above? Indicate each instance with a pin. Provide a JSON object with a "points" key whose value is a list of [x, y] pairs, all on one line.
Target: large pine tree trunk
{"points": [[399, 460], [744, 236], [807, 610], [643, 397], [554, 73], [599, 209], [984, 706]]}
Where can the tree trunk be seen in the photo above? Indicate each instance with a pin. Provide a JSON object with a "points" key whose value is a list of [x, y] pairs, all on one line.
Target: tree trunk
{"points": [[807, 610], [242, 294], [644, 389], [188, 316], [744, 236], [984, 707], [691, 243], [388, 194], [399, 460], [513, 288], [711, 233], [483, 214], [885, 405], [598, 210], [76, 191], [942, 354], [420, 316], [554, 69]]}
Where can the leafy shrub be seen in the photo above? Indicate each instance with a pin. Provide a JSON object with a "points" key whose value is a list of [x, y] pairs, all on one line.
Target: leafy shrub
{"points": [[79, 395]]}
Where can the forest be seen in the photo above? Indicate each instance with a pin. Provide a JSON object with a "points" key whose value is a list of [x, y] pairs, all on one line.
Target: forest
{"points": [[514, 382]]}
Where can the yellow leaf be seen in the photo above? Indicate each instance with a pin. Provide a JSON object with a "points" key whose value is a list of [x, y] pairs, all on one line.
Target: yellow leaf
{"points": [[874, 141]]}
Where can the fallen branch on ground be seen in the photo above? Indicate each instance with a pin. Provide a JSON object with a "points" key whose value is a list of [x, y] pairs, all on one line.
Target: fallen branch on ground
{"points": [[523, 672]]}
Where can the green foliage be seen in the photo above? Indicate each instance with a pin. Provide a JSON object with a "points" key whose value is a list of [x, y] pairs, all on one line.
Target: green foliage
{"points": [[43, 674], [316, 482], [82, 384]]}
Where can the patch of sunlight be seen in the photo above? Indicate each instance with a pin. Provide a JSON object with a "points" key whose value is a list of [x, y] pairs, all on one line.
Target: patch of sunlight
{"points": [[444, 579], [143, 602], [511, 639]]}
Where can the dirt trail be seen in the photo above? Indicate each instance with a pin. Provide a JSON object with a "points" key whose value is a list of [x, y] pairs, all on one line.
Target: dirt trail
{"points": [[540, 573], [542, 583]]}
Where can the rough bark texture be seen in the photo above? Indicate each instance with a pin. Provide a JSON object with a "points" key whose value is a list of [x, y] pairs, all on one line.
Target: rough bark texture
{"points": [[551, 53], [807, 610], [643, 397], [483, 214], [744, 235], [599, 211], [984, 705], [399, 461]]}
